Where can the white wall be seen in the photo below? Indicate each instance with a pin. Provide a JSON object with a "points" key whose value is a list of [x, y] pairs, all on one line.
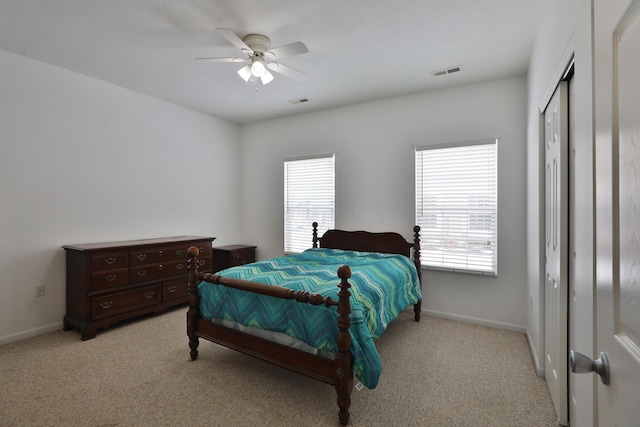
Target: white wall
{"points": [[85, 161], [374, 143]]}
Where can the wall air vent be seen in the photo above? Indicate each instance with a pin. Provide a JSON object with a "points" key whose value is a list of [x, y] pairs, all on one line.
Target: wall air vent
{"points": [[446, 71], [299, 101]]}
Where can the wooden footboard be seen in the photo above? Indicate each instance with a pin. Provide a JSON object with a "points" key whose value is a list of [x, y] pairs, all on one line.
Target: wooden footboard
{"points": [[338, 372]]}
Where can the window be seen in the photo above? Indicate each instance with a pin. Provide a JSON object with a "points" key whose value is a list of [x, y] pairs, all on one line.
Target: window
{"points": [[309, 195], [456, 206]]}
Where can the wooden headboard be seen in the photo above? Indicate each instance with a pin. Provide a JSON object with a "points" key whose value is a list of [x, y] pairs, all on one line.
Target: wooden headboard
{"points": [[366, 241]]}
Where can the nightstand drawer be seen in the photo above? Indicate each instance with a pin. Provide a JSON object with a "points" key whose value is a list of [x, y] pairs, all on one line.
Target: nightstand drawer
{"points": [[232, 255], [243, 257]]}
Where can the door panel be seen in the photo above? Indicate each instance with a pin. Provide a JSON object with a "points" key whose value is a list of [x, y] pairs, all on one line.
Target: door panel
{"points": [[617, 101], [629, 176], [556, 288]]}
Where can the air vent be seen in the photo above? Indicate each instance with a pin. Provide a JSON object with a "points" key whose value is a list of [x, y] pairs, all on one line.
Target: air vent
{"points": [[446, 71], [299, 101]]}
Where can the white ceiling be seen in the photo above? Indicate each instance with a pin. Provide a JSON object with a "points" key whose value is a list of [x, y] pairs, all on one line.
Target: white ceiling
{"points": [[359, 50]]}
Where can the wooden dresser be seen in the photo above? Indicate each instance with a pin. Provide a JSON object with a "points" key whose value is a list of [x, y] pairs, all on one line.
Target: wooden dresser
{"points": [[232, 255], [113, 281]]}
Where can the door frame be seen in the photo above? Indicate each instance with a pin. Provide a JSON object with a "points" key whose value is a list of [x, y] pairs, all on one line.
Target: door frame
{"points": [[580, 390]]}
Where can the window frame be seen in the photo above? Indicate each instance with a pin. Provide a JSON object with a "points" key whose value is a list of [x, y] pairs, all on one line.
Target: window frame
{"points": [[464, 255], [293, 240]]}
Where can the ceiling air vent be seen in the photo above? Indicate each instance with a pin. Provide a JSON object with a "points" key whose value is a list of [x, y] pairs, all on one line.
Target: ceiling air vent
{"points": [[299, 101], [446, 71]]}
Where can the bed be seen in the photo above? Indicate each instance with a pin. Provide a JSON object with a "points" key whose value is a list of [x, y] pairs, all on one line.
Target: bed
{"points": [[339, 286]]}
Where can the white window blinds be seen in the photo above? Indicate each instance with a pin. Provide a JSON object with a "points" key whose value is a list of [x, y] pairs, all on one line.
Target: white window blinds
{"points": [[456, 206], [309, 195]]}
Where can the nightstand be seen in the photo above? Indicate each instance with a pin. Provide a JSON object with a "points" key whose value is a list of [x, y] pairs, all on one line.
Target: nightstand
{"points": [[232, 255]]}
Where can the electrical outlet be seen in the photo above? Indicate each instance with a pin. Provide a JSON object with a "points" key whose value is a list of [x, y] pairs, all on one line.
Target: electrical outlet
{"points": [[40, 290]]}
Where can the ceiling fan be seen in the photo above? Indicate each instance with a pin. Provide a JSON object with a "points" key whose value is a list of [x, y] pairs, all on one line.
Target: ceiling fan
{"points": [[255, 49]]}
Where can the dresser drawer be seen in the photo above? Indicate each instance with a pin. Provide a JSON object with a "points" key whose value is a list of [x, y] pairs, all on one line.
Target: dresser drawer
{"points": [[105, 280], [204, 265], [145, 273], [108, 261], [161, 254], [175, 289], [124, 301], [204, 249]]}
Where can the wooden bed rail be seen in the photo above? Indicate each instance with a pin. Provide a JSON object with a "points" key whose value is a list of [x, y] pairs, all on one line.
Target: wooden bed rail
{"points": [[272, 291]]}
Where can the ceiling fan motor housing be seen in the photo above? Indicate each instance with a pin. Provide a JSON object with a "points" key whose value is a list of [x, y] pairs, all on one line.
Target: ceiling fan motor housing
{"points": [[257, 42]]}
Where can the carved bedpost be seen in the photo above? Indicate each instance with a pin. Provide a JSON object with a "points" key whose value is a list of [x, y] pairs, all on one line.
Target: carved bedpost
{"points": [[344, 367], [315, 234], [417, 308], [194, 301]]}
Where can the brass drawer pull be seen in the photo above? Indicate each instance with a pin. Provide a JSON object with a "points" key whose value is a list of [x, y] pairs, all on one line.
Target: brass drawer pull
{"points": [[142, 272], [110, 277], [179, 252], [106, 304], [160, 267], [200, 249], [179, 266], [160, 253], [201, 262], [172, 289], [148, 295], [142, 257], [109, 261]]}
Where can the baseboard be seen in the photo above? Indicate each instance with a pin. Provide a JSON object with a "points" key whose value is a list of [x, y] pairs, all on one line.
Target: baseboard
{"points": [[30, 333], [534, 356], [476, 321]]}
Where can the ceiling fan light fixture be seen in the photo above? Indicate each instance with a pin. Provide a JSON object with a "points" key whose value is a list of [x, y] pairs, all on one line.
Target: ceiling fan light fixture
{"points": [[258, 67], [245, 73], [266, 77]]}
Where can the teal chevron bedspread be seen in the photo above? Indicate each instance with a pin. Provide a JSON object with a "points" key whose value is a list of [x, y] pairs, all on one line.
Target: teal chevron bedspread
{"points": [[382, 285]]}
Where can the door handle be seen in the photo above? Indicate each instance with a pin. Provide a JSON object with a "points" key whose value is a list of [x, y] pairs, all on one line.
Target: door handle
{"points": [[581, 364]]}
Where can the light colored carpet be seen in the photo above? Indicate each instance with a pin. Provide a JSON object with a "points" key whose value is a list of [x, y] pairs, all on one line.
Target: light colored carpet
{"points": [[436, 373]]}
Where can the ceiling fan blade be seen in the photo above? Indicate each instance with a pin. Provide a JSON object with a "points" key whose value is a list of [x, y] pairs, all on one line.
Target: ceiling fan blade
{"points": [[287, 71], [234, 39], [221, 59], [296, 48]]}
